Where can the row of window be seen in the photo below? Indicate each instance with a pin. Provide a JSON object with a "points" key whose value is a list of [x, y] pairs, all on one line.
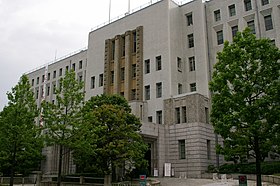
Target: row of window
{"points": [[158, 117], [147, 68], [181, 115], [182, 149], [232, 9], [54, 74]]}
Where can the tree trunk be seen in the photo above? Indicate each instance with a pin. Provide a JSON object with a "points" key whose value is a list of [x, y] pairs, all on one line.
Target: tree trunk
{"points": [[13, 165], [59, 165], [107, 180], [258, 162]]}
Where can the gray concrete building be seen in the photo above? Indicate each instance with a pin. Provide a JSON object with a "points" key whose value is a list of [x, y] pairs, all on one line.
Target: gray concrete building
{"points": [[160, 58]]}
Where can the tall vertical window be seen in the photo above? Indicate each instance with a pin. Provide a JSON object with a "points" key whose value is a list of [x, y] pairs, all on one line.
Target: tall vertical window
{"points": [[54, 74], [206, 115], [66, 69], [122, 74], [32, 82], [182, 149], [49, 76], [134, 42], [81, 64], [147, 92], [150, 119], [60, 72], [158, 63], [251, 25], [112, 77], [184, 114], [265, 2], [54, 88], [159, 117], [268, 22], [123, 45], [74, 66], [48, 90], [37, 81], [133, 71], [191, 40], [147, 66], [180, 88], [231, 10], [192, 63], [189, 19], [220, 37], [80, 79], [113, 50], [177, 115], [247, 5], [208, 149], [133, 94], [100, 80], [179, 64], [92, 82], [193, 87], [43, 78], [217, 15], [234, 31], [37, 94], [158, 90]]}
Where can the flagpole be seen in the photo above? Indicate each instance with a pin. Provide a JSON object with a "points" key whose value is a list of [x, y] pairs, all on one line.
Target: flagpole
{"points": [[109, 11], [128, 7]]}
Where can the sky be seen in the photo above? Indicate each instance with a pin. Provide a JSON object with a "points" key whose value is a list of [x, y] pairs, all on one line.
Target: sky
{"points": [[35, 32]]}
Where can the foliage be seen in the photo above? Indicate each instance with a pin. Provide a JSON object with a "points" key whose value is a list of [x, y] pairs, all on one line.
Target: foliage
{"points": [[20, 141], [245, 102], [110, 135]]}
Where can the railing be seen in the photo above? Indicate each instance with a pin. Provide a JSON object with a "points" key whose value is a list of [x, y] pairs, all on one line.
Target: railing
{"points": [[18, 180]]}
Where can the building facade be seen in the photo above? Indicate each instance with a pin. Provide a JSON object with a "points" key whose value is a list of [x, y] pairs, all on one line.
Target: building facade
{"points": [[160, 59]]}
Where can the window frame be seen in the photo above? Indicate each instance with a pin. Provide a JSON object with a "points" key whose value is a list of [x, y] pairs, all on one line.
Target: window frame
{"points": [[268, 22], [232, 10], [220, 37], [191, 40], [158, 63], [159, 90], [192, 63], [217, 15], [182, 149]]}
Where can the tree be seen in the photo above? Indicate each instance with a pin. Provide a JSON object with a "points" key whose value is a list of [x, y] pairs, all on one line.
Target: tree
{"points": [[110, 135], [245, 102], [20, 141], [62, 117]]}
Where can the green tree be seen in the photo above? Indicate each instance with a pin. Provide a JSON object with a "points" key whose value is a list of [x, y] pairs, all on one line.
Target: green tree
{"points": [[245, 102], [20, 141], [110, 136], [62, 117]]}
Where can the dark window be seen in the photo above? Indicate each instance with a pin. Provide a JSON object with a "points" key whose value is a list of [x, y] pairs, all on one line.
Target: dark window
{"points": [[32, 82], [147, 66], [265, 2], [251, 25], [189, 19], [158, 90], [113, 50], [60, 72], [192, 63], [74, 66], [150, 119], [92, 82], [123, 45], [231, 10], [37, 94], [147, 92], [179, 64], [159, 117], [66, 69], [193, 87], [182, 149], [158, 63], [177, 115], [133, 71], [268, 22], [234, 31], [80, 78], [112, 77], [122, 74], [220, 37], [54, 88], [80, 64], [206, 115], [208, 149], [134, 42], [100, 80], [48, 90], [217, 15], [38, 79], [191, 40], [247, 5], [133, 94], [180, 88], [184, 114], [49, 76], [43, 78], [54, 74]]}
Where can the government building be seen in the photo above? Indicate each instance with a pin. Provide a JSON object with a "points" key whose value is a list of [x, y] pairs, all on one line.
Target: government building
{"points": [[161, 58]]}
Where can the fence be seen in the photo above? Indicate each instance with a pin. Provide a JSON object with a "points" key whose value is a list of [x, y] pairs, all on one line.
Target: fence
{"points": [[18, 180]]}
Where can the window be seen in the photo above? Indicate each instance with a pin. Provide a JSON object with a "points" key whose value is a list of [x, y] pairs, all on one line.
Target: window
{"points": [[92, 82], [184, 114], [81, 64], [179, 64], [192, 63], [150, 119], [147, 66], [123, 45], [206, 115], [134, 42], [60, 72], [268, 22], [48, 90], [220, 37], [159, 117], [234, 31], [49, 76], [182, 149], [66, 69], [54, 74], [133, 94], [113, 50], [43, 78], [231, 10], [100, 80], [54, 88], [158, 63], [217, 15], [38, 79], [247, 5], [32, 82], [273, 42], [112, 77], [37, 94], [158, 90], [177, 115], [80, 79], [122, 74], [208, 149], [189, 19], [191, 40], [147, 92], [74, 66], [265, 2], [180, 88], [133, 70], [251, 25], [193, 87]]}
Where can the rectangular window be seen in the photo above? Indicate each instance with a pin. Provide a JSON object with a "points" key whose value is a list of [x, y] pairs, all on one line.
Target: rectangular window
{"points": [[182, 149], [134, 42], [231, 10], [184, 114], [32, 82], [147, 92], [112, 77], [38, 79], [48, 90], [265, 2], [49, 76], [159, 117], [158, 90], [217, 15], [43, 78], [268, 22], [100, 80], [179, 64], [54, 74], [133, 94], [191, 40], [133, 71], [60, 72], [123, 45], [206, 115], [189, 19], [81, 64], [66, 69], [247, 5], [113, 50], [92, 82], [54, 88], [192, 63], [208, 149], [251, 25], [234, 31], [122, 74], [150, 119], [74, 66], [80, 79], [193, 87], [147, 66], [37, 94], [177, 115], [220, 37], [158, 63], [180, 88]]}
